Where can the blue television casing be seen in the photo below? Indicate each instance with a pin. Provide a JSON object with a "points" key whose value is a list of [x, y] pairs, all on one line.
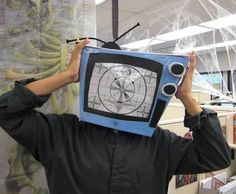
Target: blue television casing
{"points": [[126, 90]]}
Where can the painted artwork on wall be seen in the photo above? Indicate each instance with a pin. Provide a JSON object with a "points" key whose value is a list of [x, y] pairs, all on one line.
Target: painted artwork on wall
{"points": [[33, 45]]}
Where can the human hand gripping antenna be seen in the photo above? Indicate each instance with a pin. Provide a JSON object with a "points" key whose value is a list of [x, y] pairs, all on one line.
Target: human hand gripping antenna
{"points": [[127, 90]]}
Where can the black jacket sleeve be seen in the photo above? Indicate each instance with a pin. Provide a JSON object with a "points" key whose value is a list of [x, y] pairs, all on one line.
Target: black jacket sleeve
{"points": [[41, 134], [208, 151]]}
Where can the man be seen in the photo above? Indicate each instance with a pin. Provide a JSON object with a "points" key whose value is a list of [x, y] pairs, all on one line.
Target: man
{"points": [[82, 158]]}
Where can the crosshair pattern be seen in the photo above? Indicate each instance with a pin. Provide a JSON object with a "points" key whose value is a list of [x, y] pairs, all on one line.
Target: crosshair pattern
{"points": [[94, 102], [150, 77], [143, 111], [100, 68]]}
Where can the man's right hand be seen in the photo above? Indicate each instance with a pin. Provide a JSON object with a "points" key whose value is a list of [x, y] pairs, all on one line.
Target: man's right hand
{"points": [[48, 85], [73, 69]]}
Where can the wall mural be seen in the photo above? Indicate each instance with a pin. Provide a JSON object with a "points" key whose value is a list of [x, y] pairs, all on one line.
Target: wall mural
{"points": [[33, 37]]}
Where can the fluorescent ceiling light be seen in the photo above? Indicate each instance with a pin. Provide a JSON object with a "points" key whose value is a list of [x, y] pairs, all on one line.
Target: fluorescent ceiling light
{"points": [[206, 47], [142, 43], [221, 22], [98, 2], [185, 32]]}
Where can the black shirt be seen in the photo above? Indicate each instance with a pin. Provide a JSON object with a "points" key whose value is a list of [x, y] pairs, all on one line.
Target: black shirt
{"points": [[82, 158]]}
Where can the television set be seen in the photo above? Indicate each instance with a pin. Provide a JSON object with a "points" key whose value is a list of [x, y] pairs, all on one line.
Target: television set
{"points": [[127, 90]]}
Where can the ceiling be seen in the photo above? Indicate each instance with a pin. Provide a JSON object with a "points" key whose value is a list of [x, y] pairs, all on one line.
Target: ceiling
{"points": [[129, 12], [158, 16]]}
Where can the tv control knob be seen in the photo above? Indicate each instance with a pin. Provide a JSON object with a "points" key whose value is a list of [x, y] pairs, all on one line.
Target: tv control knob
{"points": [[177, 69], [169, 89]]}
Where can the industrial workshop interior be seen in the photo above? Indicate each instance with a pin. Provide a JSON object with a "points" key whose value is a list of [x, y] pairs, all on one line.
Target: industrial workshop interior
{"points": [[139, 53]]}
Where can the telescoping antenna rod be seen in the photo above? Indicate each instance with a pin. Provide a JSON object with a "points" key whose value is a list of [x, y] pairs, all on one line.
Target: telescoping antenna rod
{"points": [[138, 24], [92, 38]]}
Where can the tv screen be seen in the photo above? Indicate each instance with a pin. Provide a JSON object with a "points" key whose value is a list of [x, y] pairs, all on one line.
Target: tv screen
{"points": [[127, 90], [121, 89]]}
